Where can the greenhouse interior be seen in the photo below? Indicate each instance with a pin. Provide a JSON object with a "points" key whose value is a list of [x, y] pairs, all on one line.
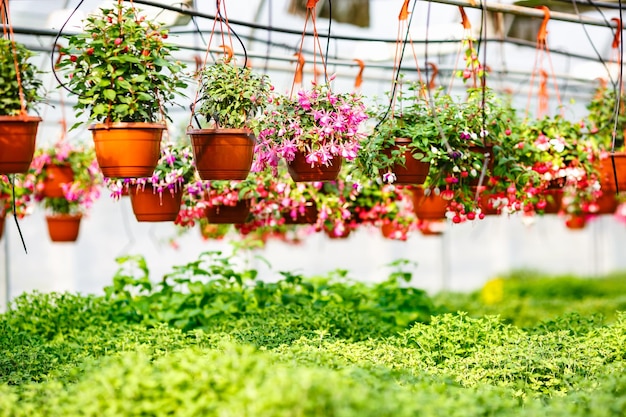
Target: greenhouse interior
{"points": [[312, 208]]}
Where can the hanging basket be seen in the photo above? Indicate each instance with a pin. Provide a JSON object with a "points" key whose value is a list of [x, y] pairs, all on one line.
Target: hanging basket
{"points": [[309, 216], [222, 154], [428, 207], [63, 227], [576, 222], [607, 176], [606, 203], [127, 150], [302, 171], [17, 143], [150, 206], [554, 199], [483, 150], [413, 172], [222, 214], [344, 234], [2, 221], [56, 176]]}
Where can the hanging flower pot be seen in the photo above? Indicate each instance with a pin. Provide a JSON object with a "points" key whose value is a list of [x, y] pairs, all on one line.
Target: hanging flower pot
{"points": [[607, 175], [307, 216], [576, 222], [63, 227], [605, 204], [127, 150], [334, 234], [152, 206], [303, 171], [488, 158], [222, 154], [17, 143], [394, 231], [552, 201], [225, 214], [428, 207], [56, 176], [412, 171], [431, 227]]}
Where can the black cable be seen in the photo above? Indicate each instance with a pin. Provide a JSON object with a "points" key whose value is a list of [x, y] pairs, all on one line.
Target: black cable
{"points": [[230, 28], [54, 45], [13, 204], [395, 83]]}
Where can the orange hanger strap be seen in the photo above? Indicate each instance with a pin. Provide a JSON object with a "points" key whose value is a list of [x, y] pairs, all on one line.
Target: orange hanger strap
{"points": [[543, 94], [228, 53], [299, 68], [542, 34], [435, 71], [618, 32], [198, 60], [58, 60], [464, 20], [404, 11], [310, 4], [359, 77]]}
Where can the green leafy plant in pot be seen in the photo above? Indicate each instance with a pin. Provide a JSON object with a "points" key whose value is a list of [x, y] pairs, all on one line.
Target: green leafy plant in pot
{"points": [[20, 90], [124, 75], [230, 98]]}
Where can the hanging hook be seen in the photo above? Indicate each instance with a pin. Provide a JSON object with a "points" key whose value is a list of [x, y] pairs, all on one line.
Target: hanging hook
{"points": [[299, 68], [359, 77], [542, 35], [618, 32], [404, 11], [228, 52], [431, 82], [464, 20]]}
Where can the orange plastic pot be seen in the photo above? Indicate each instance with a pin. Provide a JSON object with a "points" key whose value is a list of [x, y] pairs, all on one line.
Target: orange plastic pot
{"points": [[17, 143], [607, 175], [554, 199], [56, 176], [576, 222], [344, 234], [413, 171], [127, 150], [63, 227], [150, 206], [222, 214], [302, 171], [309, 216], [2, 221], [428, 207], [222, 154]]}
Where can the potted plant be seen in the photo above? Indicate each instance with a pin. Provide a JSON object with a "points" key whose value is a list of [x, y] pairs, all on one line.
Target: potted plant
{"points": [[230, 98], [21, 91], [229, 202], [601, 122], [313, 132], [124, 76], [78, 194], [158, 198]]}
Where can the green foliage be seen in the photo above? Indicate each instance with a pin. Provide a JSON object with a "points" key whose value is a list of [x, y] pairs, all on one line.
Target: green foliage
{"points": [[232, 96], [10, 102], [121, 68]]}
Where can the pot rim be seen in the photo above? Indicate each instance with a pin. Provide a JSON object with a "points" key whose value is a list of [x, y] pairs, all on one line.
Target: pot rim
{"points": [[127, 125], [20, 118], [231, 131]]}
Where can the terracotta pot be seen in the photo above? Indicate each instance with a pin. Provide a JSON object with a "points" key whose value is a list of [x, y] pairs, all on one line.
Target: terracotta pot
{"points": [[606, 203], [63, 227], [576, 222], [607, 176], [308, 217], [393, 232], [236, 214], [413, 171], [56, 176], [2, 221], [554, 198], [344, 235], [17, 143], [127, 150], [431, 207], [222, 154], [301, 171], [486, 205], [150, 206]]}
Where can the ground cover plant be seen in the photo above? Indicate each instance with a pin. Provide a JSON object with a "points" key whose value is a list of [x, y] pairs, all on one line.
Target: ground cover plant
{"points": [[210, 339]]}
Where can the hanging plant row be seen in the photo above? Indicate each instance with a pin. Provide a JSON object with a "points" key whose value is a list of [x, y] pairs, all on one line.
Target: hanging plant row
{"points": [[316, 160]]}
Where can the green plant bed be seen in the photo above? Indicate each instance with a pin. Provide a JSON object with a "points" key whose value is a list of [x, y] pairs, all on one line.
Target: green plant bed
{"points": [[214, 342]]}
